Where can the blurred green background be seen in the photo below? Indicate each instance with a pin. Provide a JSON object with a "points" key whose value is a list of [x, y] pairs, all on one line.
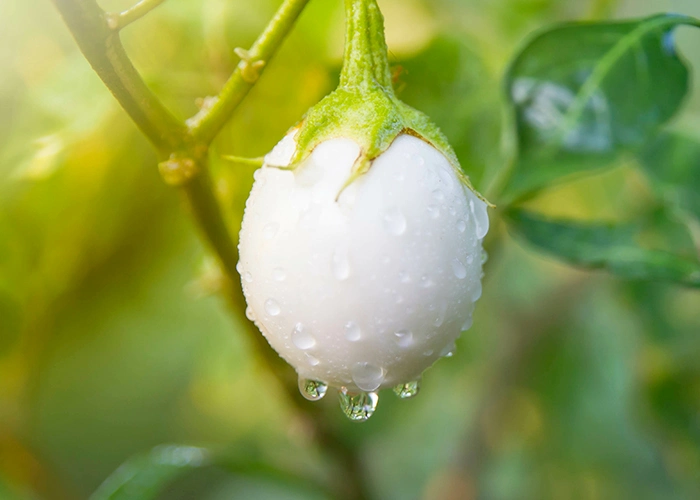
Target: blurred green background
{"points": [[569, 385]]}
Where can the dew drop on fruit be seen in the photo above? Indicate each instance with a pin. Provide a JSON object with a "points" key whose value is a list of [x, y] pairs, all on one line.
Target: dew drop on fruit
{"points": [[394, 222], [404, 338], [279, 274], [367, 377], [358, 407], [448, 351], [272, 307], [458, 269], [467, 323], [407, 390], [302, 338], [340, 265], [313, 390], [270, 230], [352, 331]]}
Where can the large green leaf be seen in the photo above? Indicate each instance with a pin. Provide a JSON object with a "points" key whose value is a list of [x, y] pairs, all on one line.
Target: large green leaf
{"points": [[672, 162], [584, 93], [656, 248]]}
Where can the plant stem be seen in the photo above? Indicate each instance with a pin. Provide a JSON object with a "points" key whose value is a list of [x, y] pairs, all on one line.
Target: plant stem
{"points": [[207, 125], [123, 19], [366, 59], [105, 53]]}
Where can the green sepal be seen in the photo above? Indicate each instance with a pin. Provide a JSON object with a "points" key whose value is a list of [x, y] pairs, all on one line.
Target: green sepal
{"points": [[364, 108]]}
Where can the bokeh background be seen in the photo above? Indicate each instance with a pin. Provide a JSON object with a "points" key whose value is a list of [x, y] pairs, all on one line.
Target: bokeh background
{"points": [[570, 385]]}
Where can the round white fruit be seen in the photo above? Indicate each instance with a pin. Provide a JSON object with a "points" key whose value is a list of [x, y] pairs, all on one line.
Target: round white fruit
{"points": [[363, 287]]}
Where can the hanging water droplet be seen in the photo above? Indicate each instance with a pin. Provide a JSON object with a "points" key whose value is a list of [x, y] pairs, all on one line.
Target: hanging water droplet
{"points": [[352, 331], [461, 226], [248, 277], [302, 338], [249, 313], [279, 274], [239, 267], [404, 338], [459, 269], [484, 256], [434, 211], [340, 265], [367, 377], [467, 323], [272, 307], [313, 390], [476, 293], [270, 230], [358, 407], [481, 217], [407, 390], [394, 222], [449, 350]]}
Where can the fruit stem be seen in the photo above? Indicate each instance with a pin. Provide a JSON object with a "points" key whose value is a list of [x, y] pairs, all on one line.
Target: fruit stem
{"points": [[366, 60]]}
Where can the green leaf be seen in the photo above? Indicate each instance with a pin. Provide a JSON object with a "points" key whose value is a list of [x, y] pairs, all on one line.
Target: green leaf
{"points": [[145, 476], [656, 248], [584, 93], [672, 163]]}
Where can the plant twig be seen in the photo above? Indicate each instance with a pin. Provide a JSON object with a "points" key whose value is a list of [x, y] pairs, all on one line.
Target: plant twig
{"points": [[105, 53], [206, 125], [117, 21]]}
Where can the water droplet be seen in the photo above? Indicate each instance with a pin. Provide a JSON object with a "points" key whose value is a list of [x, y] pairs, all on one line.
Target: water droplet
{"points": [[440, 319], [461, 226], [404, 277], [484, 256], [302, 338], [340, 265], [352, 331], [476, 293], [429, 352], [248, 277], [239, 267], [279, 274], [313, 390], [399, 299], [420, 160], [434, 211], [470, 259], [426, 282], [407, 390], [404, 338], [312, 361], [481, 217], [358, 407], [270, 230], [459, 269], [367, 377], [448, 351], [272, 307], [467, 323], [446, 177], [249, 313], [394, 221], [438, 195]]}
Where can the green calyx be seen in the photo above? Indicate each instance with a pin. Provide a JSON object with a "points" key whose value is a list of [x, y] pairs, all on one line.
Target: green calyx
{"points": [[364, 107]]}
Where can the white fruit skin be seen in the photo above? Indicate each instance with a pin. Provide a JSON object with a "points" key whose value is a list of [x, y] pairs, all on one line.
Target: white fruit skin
{"points": [[399, 251]]}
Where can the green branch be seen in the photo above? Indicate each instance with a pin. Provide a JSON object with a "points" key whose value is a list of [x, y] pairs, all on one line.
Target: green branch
{"points": [[207, 124], [102, 48], [117, 21]]}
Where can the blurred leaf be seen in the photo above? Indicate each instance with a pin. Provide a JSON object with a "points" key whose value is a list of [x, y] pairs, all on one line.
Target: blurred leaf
{"points": [[10, 322], [672, 162], [583, 93], [145, 476], [449, 71], [645, 250]]}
